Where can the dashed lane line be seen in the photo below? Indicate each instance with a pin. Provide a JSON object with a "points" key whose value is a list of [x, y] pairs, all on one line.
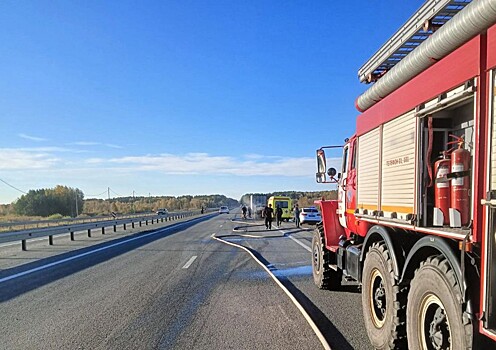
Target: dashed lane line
{"points": [[74, 257], [190, 261], [301, 244]]}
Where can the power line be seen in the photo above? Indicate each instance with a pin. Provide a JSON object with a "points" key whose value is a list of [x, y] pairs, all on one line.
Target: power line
{"points": [[97, 195], [117, 194], [15, 188]]}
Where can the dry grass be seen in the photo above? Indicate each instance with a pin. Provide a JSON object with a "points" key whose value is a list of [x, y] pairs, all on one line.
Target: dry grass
{"points": [[13, 218]]}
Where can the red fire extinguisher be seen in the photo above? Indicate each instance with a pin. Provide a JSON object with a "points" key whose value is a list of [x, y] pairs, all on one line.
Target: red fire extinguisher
{"points": [[442, 188], [460, 184]]}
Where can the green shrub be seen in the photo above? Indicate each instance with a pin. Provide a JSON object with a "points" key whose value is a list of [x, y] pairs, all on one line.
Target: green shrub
{"points": [[55, 217]]}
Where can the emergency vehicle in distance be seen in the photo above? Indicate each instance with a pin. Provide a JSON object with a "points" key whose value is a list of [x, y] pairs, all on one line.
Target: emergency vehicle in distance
{"points": [[415, 218], [284, 203]]}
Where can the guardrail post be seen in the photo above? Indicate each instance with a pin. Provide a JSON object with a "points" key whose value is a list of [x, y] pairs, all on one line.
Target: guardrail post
{"points": [[72, 236], [50, 240], [124, 225], [140, 223], [132, 224], [152, 221], [115, 228], [103, 230], [23, 245], [89, 232], [146, 222]]}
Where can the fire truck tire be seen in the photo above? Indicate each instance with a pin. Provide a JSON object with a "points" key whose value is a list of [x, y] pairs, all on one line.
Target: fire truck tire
{"points": [[434, 316], [383, 300], [323, 275]]}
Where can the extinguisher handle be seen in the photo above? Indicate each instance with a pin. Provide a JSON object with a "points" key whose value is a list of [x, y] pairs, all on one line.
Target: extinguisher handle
{"points": [[458, 140]]}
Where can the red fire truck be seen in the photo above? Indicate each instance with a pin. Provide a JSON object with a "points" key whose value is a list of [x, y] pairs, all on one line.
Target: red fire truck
{"points": [[415, 219]]}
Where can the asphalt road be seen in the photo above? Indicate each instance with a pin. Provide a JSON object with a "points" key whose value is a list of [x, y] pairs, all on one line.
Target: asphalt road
{"points": [[173, 288]]}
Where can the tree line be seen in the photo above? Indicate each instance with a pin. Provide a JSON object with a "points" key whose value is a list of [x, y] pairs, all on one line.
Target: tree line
{"points": [[62, 200], [128, 205], [69, 202]]}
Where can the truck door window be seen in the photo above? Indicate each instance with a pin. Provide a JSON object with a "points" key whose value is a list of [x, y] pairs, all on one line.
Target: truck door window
{"points": [[353, 156], [345, 160]]}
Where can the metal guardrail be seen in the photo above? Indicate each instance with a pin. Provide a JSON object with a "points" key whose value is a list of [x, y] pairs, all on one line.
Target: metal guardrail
{"points": [[49, 232], [23, 225]]}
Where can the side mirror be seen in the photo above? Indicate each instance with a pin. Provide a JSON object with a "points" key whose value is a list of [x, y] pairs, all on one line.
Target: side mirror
{"points": [[320, 177], [322, 172]]}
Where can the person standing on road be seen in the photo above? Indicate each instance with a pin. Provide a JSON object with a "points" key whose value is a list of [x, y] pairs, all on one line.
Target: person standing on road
{"points": [[268, 213], [278, 215], [297, 215]]}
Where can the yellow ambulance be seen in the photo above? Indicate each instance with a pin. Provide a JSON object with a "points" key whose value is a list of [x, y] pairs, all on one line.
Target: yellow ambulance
{"points": [[284, 203]]}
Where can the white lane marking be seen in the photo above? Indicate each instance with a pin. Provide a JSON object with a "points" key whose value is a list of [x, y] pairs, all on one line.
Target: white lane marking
{"points": [[190, 261], [297, 241], [302, 244], [11, 244], [55, 263]]}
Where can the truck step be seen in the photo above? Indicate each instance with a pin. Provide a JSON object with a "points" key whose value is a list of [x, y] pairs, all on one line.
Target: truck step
{"points": [[333, 266]]}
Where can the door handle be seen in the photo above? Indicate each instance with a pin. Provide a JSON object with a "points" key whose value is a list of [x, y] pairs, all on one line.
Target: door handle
{"points": [[344, 183], [490, 203]]}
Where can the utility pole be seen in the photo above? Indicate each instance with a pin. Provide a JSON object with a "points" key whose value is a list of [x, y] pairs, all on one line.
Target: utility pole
{"points": [[110, 206], [134, 211]]}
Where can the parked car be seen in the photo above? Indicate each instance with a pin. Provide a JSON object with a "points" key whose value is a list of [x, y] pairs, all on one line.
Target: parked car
{"points": [[310, 216], [162, 211], [224, 210]]}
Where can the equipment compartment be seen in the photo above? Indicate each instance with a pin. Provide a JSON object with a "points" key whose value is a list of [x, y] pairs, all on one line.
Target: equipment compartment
{"points": [[445, 179]]}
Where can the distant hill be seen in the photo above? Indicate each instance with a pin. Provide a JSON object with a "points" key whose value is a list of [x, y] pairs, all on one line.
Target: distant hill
{"points": [[127, 205]]}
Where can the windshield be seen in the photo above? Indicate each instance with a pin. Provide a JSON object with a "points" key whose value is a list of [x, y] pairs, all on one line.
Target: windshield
{"points": [[282, 204]]}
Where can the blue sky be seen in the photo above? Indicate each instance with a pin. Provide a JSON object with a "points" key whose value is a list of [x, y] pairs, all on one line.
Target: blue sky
{"points": [[180, 97]]}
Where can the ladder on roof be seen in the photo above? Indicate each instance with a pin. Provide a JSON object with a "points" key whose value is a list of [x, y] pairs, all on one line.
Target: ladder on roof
{"points": [[432, 15]]}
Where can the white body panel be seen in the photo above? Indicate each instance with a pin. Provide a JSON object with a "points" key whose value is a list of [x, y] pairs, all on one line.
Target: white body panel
{"points": [[368, 171], [398, 167]]}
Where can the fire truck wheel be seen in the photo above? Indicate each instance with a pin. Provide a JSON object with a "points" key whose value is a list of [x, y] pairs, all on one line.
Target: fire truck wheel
{"points": [[434, 317], [383, 301], [323, 275]]}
